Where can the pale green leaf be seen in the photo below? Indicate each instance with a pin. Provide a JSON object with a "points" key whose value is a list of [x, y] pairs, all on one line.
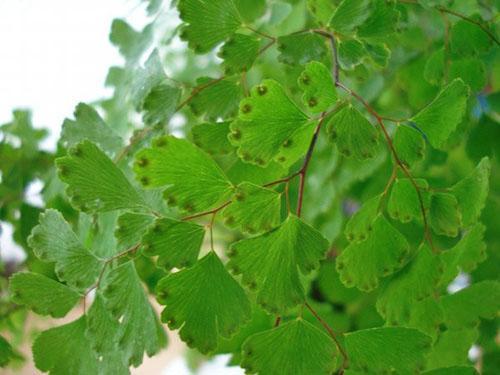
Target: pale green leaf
{"points": [[89, 125], [152, 94], [267, 121], [322, 10], [465, 255], [444, 215], [65, 350], [295, 347], [205, 302], [404, 203], [272, 262], [409, 144], [362, 264], [194, 181], [418, 280], [95, 183], [349, 14], [175, 243], [441, 117], [160, 104], [351, 52], [471, 70], [471, 192], [217, 100], [239, 53], [317, 83], [388, 349], [207, 22], [382, 22], [465, 307], [360, 225], [299, 49], [103, 331], [253, 209], [53, 240], [140, 331], [131, 227], [451, 348], [353, 133], [131, 43], [42, 295], [212, 137], [468, 39], [250, 9], [379, 53]]}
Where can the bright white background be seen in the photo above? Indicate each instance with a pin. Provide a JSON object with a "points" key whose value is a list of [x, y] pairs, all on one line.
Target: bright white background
{"points": [[54, 54]]}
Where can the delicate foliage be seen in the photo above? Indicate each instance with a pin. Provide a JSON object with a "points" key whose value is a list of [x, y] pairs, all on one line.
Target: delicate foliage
{"points": [[377, 349], [107, 190], [54, 241], [441, 117], [207, 22], [271, 263], [176, 243], [353, 134], [195, 182], [205, 302], [43, 295], [267, 122], [385, 250], [206, 180], [295, 347]]}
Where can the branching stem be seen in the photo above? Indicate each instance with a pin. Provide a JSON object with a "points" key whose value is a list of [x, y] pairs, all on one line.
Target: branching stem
{"points": [[107, 262], [345, 358]]}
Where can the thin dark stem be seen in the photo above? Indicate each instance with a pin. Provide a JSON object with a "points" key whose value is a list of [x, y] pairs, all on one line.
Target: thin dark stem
{"points": [[371, 110], [333, 335], [470, 20], [197, 90], [335, 56], [261, 33], [210, 212], [107, 262], [305, 165], [268, 45], [277, 321]]}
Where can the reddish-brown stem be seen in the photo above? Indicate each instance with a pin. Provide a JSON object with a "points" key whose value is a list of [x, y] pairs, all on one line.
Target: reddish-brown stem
{"points": [[371, 110], [470, 20], [268, 45], [103, 269], [333, 335], [287, 197], [277, 321], [305, 165], [261, 33], [204, 213]]}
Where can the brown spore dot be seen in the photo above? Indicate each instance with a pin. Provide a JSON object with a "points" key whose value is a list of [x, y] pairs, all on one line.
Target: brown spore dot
{"points": [[76, 151], [246, 108], [145, 181], [312, 102], [261, 90], [142, 162], [160, 142], [236, 134], [305, 79]]}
